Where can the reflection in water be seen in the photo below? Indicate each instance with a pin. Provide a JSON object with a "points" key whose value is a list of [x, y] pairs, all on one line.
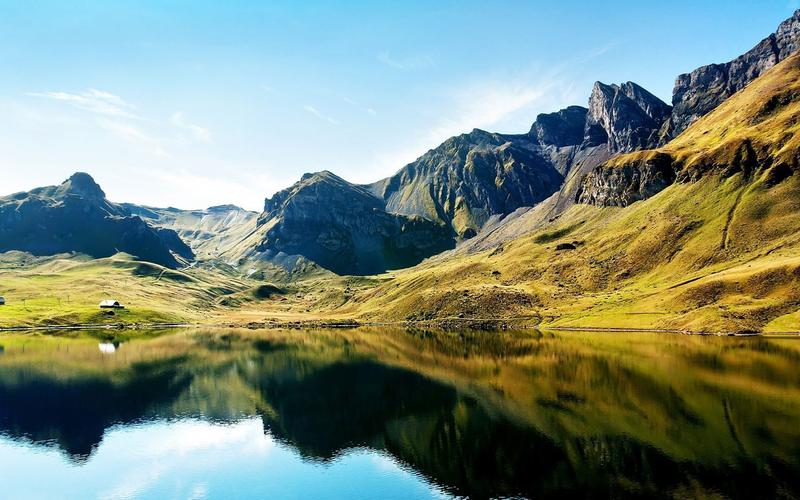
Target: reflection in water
{"points": [[384, 412], [109, 347]]}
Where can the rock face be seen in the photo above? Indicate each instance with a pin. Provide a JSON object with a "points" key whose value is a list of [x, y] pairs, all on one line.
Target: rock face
{"points": [[344, 228], [473, 176], [619, 186], [559, 129], [753, 134], [76, 217], [699, 92], [625, 117]]}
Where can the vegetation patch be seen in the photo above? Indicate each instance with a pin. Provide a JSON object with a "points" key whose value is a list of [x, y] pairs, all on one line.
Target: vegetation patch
{"points": [[558, 233]]}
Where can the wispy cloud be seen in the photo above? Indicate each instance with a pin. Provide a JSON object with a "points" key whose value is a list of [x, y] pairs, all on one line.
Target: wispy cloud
{"points": [[197, 132], [406, 63], [93, 100], [133, 134], [314, 111], [502, 104], [115, 115], [111, 113], [490, 103], [366, 109]]}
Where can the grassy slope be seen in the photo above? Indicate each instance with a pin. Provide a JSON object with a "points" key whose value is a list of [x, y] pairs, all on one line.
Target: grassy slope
{"points": [[67, 289], [716, 254]]}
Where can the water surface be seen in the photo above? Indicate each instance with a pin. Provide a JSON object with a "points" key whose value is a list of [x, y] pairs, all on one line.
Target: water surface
{"points": [[391, 413]]}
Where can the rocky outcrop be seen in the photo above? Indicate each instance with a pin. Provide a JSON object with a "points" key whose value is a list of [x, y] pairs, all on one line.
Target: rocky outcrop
{"points": [[699, 92], [625, 117], [343, 227], [621, 185], [76, 217]]}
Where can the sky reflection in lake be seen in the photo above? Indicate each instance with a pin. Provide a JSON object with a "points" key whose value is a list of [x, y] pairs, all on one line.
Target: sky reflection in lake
{"points": [[197, 459]]}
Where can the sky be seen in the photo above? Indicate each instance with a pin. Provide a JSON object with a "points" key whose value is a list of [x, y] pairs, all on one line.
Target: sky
{"points": [[199, 103]]}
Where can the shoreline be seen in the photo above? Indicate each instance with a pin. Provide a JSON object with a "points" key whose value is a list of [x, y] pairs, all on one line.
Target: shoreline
{"points": [[445, 324]]}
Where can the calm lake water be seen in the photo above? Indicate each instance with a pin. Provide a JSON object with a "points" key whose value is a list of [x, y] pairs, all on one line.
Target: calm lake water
{"points": [[391, 413]]}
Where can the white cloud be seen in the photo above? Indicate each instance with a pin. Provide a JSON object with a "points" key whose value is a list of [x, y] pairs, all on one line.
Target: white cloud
{"points": [[318, 114], [94, 101], [197, 132], [113, 114], [406, 63], [354, 103], [132, 134]]}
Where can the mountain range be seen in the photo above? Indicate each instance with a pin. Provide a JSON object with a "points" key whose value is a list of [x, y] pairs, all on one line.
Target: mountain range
{"points": [[730, 135]]}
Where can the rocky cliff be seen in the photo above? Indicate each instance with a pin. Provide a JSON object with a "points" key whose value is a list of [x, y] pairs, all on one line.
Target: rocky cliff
{"points": [[699, 92], [75, 216], [636, 180], [625, 117], [754, 134]]}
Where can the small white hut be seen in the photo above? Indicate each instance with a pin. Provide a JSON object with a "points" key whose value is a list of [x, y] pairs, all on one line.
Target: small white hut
{"points": [[111, 304]]}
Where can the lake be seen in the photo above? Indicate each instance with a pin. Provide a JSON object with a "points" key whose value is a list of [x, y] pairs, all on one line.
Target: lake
{"points": [[396, 413]]}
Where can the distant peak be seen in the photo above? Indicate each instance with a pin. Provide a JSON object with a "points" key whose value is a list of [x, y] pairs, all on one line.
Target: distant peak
{"points": [[320, 174], [224, 208], [604, 87], [82, 184]]}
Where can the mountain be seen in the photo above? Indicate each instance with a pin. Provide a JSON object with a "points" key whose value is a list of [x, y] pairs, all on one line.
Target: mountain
{"points": [[753, 133], [700, 234], [632, 126], [75, 216], [699, 92], [208, 232], [449, 193], [473, 176], [344, 228], [626, 117]]}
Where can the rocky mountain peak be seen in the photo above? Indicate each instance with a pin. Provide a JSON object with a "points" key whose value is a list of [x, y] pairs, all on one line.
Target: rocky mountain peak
{"points": [[654, 107], [562, 128], [626, 117], [786, 36], [75, 217], [83, 185], [320, 191]]}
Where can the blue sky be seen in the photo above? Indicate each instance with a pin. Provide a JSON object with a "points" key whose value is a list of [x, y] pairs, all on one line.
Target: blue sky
{"points": [[196, 103]]}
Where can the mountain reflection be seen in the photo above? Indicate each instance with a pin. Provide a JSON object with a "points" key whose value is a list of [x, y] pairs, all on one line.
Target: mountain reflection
{"points": [[479, 414]]}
